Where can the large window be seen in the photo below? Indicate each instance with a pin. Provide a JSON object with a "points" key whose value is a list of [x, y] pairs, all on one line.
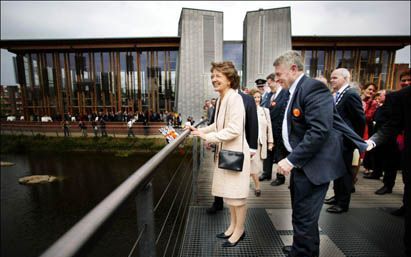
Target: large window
{"points": [[233, 51]]}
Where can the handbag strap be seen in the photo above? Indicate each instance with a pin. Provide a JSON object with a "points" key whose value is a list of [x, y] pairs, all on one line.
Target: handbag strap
{"points": [[225, 112]]}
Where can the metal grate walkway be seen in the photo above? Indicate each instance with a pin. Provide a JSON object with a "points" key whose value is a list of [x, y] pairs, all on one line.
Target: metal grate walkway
{"points": [[366, 232]]}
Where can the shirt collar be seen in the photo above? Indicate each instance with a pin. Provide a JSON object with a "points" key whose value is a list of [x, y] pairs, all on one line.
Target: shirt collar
{"points": [[294, 85], [342, 88]]}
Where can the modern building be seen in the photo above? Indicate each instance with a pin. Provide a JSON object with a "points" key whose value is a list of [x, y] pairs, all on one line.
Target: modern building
{"points": [[173, 73], [10, 100]]}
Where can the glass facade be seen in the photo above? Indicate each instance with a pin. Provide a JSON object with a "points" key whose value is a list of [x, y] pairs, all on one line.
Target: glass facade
{"points": [[365, 65], [85, 82], [233, 51]]}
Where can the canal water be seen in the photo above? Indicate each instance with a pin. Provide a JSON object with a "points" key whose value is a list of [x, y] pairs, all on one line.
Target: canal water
{"points": [[34, 216]]}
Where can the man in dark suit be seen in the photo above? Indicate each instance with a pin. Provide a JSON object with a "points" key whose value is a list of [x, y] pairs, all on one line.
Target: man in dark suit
{"points": [[349, 106], [277, 102], [399, 109], [251, 135], [313, 135]]}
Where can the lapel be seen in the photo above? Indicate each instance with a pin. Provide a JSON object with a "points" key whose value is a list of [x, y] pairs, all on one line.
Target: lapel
{"points": [[342, 95], [297, 89], [268, 102], [223, 105]]}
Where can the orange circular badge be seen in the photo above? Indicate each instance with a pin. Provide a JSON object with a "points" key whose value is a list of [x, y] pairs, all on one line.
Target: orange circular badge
{"points": [[273, 104], [296, 112]]}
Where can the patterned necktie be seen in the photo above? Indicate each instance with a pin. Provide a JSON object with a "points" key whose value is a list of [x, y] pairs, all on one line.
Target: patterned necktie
{"points": [[336, 97]]}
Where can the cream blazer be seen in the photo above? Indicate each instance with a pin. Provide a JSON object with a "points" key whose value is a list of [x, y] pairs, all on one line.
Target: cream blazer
{"points": [[265, 133], [226, 183]]}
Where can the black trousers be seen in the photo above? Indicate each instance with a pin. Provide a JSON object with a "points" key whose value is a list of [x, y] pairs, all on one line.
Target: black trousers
{"points": [[306, 200], [344, 184], [218, 201], [268, 166], [407, 221], [389, 178]]}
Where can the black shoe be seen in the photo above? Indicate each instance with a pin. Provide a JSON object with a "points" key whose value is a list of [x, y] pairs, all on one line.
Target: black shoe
{"points": [[222, 236], [229, 244], [399, 212], [286, 249], [371, 176], [336, 209], [213, 209], [383, 190], [330, 201], [277, 182], [264, 177], [257, 192], [353, 189]]}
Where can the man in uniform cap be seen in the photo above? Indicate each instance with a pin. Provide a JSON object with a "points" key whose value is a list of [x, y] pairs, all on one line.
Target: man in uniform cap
{"points": [[260, 83]]}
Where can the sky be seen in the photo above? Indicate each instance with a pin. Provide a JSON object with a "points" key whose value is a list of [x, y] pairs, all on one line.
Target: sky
{"points": [[106, 19]]}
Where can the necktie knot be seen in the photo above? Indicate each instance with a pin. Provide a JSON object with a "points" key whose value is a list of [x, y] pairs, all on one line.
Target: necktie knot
{"points": [[336, 96]]}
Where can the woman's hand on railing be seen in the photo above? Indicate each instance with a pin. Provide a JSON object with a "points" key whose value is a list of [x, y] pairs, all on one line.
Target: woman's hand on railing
{"points": [[194, 131]]}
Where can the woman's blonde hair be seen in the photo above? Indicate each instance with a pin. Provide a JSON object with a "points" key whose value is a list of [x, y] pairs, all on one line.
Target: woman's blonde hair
{"points": [[253, 91]]}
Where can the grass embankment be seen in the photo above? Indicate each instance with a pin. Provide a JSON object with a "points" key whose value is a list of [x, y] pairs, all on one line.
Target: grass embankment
{"points": [[40, 143]]}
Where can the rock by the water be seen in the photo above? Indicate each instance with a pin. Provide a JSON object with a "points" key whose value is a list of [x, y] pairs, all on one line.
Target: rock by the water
{"points": [[37, 179], [6, 164]]}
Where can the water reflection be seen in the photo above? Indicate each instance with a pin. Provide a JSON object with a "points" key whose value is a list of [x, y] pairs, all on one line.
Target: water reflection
{"points": [[34, 216]]}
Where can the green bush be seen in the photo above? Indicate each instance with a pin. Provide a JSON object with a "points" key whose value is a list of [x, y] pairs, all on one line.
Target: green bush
{"points": [[121, 146]]}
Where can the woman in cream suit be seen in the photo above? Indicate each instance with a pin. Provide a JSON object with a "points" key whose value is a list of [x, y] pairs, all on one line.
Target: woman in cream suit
{"points": [[228, 132], [265, 140]]}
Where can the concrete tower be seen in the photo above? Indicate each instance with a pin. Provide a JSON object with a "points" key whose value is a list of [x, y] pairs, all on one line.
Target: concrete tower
{"points": [[201, 34], [267, 34]]}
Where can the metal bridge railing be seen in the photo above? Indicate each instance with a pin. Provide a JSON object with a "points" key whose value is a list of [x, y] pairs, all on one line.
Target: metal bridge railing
{"points": [[73, 242]]}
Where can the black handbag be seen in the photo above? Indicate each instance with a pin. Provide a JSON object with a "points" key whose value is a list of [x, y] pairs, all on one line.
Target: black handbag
{"points": [[230, 160]]}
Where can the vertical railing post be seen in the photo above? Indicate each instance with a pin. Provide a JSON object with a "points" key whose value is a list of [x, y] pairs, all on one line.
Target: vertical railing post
{"points": [[195, 169], [145, 221]]}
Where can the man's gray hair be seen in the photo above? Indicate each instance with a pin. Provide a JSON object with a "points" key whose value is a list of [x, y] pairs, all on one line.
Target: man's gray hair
{"points": [[345, 73], [289, 58]]}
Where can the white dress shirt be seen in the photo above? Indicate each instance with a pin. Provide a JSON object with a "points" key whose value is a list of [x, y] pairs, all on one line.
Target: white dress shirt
{"points": [[285, 122]]}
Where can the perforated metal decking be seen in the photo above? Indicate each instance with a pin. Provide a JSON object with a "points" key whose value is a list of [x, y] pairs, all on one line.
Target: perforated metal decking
{"points": [[367, 232]]}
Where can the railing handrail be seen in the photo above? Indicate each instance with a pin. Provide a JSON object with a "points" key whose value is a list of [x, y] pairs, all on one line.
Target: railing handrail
{"points": [[72, 241]]}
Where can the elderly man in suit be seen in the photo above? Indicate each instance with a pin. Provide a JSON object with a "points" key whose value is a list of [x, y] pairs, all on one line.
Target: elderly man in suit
{"points": [[313, 133], [349, 107]]}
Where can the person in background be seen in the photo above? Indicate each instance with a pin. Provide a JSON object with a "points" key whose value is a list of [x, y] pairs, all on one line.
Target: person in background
{"points": [[210, 111], [260, 84], [349, 107], [228, 132], [322, 79], [103, 127], [405, 78], [265, 140], [278, 98], [83, 128], [387, 155], [130, 132], [370, 106], [398, 106]]}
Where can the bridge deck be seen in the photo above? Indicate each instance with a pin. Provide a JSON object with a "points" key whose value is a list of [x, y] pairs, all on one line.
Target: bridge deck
{"points": [[366, 230]]}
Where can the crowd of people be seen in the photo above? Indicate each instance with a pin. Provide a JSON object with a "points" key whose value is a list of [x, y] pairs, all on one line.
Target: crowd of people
{"points": [[98, 121], [316, 131]]}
